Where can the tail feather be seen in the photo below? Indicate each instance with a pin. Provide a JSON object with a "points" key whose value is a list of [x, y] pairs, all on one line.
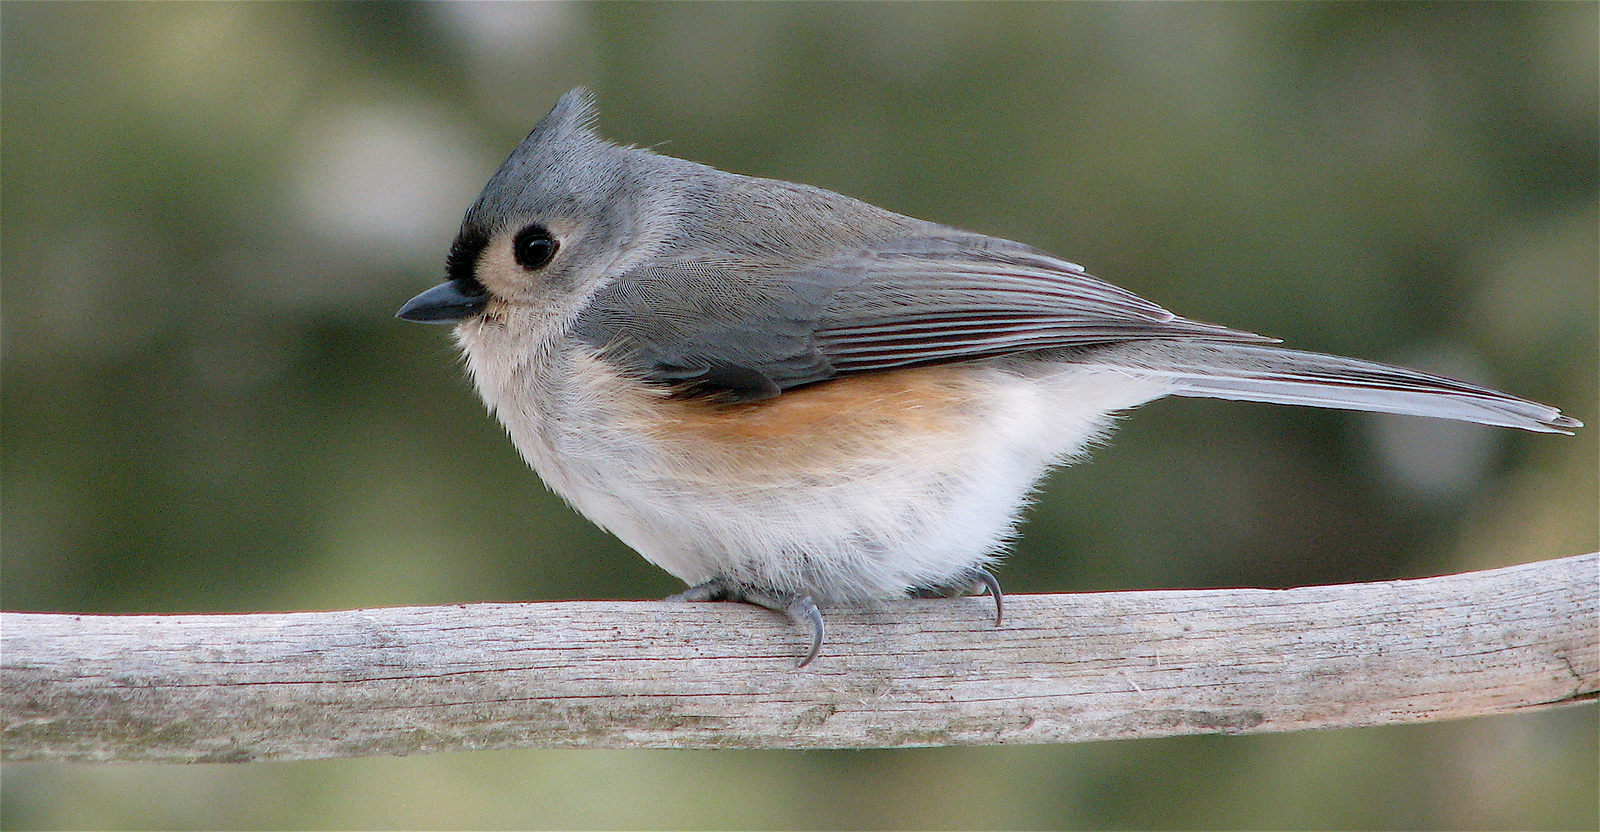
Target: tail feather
{"points": [[1259, 373]]}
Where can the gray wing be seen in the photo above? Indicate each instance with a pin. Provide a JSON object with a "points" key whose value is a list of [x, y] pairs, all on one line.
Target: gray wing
{"points": [[751, 332], [739, 333], [921, 300]]}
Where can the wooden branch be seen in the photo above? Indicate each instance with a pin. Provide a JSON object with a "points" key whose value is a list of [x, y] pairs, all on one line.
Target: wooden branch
{"points": [[1064, 668]]}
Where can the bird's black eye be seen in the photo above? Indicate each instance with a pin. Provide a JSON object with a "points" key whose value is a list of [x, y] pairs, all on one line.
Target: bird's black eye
{"points": [[533, 247]]}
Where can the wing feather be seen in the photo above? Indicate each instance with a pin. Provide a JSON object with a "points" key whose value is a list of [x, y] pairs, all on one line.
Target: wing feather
{"points": [[958, 296], [936, 295]]}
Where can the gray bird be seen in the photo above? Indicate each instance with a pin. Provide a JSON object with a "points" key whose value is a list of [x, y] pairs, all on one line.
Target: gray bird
{"points": [[787, 397]]}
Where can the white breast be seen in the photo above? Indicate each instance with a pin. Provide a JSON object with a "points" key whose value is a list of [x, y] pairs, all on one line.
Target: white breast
{"points": [[857, 488]]}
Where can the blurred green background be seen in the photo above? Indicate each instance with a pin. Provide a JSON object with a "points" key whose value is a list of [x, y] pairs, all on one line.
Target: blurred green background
{"points": [[211, 212]]}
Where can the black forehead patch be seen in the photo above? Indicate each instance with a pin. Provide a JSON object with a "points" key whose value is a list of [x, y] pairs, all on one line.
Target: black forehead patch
{"points": [[464, 253]]}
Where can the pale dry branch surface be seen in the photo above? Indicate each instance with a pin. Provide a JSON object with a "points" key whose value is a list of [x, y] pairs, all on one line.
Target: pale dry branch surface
{"points": [[1063, 668]]}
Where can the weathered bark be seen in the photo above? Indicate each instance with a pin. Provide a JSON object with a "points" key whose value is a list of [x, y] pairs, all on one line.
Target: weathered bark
{"points": [[1063, 668]]}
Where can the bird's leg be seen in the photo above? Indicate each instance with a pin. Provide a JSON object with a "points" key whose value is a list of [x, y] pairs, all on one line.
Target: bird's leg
{"points": [[799, 608], [975, 582]]}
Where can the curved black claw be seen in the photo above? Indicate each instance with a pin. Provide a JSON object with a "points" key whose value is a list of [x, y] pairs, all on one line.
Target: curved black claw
{"points": [[976, 582], [800, 609], [992, 585]]}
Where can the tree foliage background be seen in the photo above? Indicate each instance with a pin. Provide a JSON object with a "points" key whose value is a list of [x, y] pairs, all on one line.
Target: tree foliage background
{"points": [[211, 211]]}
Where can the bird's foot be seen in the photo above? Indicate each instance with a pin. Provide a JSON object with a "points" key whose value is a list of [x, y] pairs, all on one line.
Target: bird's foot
{"points": [[799, 608], [975, 582]]}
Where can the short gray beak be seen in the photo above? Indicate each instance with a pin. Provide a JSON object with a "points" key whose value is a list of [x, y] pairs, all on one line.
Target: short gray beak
{"points": [[446, 303]]}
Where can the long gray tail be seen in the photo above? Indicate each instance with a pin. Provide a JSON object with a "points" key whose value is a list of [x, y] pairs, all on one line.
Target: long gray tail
{"points": [[1260, 373]]}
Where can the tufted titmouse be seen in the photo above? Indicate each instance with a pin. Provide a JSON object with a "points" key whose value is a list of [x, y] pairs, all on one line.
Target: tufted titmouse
{"points": [[787, 397]]}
